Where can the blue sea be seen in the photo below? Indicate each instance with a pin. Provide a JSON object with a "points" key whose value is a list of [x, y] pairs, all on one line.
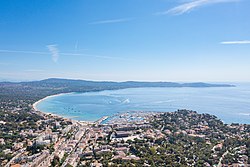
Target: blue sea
{"points": [[230, 104]]}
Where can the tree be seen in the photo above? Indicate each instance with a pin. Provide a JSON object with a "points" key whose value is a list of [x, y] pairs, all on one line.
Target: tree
{"points": [[55, 162]]}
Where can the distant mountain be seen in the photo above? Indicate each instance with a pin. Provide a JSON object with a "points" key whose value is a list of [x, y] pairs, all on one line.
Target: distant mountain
{"points": [[39, 89], [58, 82], [128, 83]]}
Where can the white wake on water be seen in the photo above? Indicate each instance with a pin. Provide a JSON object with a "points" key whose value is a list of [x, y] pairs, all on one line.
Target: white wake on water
{"points": [[126, 101]]}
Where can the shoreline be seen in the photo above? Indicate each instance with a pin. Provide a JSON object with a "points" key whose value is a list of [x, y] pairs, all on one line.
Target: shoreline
{"points": [[34, 105]]}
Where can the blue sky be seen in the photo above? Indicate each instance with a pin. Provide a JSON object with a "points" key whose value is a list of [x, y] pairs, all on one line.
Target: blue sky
{"points": [[149, 40]]}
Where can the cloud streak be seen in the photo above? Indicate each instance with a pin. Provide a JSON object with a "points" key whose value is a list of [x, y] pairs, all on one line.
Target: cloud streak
{"points": [[189, 6], [111, 21], [235, 42], [21, 51], [61, 53], [54, 52]]}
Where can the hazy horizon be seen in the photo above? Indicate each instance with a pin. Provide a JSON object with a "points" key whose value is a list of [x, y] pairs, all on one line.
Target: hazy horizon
{"points": [[212, 82]]}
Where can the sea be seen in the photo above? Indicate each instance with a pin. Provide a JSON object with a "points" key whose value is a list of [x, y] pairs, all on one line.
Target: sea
{"points": [[230, 104]]}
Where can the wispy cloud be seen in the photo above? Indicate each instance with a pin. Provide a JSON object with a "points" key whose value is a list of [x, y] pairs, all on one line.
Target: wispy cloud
{"points": [[112, 21], [54, 52], [21, 51], [235, 42], [189, 6], [76, 46]]}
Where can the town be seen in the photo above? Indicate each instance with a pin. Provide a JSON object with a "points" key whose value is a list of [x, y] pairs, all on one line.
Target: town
{"points": [[30, 138], [133, 138], [124, 83]]}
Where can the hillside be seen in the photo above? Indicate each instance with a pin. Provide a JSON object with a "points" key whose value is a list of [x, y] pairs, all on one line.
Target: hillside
{"points": [[38, 89]]}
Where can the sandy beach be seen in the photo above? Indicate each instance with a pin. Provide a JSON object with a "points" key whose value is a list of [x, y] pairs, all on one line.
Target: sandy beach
{"points": [[55, 115], [47, 97]]}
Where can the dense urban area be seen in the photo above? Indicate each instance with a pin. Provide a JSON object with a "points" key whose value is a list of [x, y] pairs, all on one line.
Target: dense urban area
{"points": [[31, 138]]}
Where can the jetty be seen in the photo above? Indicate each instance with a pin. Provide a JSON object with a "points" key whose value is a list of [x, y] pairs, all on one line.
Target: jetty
{"points": [[99, 121]]}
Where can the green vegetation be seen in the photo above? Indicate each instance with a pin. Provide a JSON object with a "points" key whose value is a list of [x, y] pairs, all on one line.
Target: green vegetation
{"points": [[183, 138], [180, 139]]}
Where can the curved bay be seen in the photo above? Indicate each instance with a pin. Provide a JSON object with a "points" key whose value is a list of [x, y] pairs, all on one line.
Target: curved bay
{"points": [[230, 104]]}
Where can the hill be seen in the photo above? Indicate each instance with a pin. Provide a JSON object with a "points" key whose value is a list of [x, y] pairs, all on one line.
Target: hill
{"points": [[38, 89]]}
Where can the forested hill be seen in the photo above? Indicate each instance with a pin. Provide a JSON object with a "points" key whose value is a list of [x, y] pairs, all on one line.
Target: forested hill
{"points": [[38, 89], [57, 82]]}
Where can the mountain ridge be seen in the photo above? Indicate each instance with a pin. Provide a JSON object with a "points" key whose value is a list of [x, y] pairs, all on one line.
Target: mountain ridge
{"points": [[79, 82]]}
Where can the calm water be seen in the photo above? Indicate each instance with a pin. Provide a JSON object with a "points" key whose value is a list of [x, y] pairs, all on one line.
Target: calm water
{"points": [[229, 104]]}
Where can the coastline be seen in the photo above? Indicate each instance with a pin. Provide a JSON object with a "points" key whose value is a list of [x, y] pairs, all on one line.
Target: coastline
{"points": [[34, 105], [225, 119]]}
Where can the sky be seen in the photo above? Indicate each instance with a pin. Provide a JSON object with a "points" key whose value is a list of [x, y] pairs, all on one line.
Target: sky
{"points": [[111, 40]]}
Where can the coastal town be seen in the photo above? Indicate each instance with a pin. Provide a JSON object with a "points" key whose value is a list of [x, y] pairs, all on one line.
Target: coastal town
{"points": [[133, 138], [125, 83], [30, 138]]}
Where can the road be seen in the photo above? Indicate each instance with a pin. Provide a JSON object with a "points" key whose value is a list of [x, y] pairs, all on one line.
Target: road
{"points": [[221, 158]]}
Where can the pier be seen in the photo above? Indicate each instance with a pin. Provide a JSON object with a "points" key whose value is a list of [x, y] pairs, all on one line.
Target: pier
{"points": [[101, 119]]}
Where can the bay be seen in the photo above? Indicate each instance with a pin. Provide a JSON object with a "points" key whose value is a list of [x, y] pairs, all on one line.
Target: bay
{"points": [[230, 104]]}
